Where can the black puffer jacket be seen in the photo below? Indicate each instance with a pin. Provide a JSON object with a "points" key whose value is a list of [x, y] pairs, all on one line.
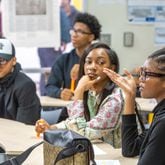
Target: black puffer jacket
{"points": [[150, 145], [18, 98]]}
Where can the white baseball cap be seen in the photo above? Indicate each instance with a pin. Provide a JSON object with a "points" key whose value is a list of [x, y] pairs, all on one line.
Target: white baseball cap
{"points": [[7, 50]]}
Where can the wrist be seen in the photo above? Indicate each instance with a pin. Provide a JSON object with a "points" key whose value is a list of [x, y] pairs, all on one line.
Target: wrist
{"points": [[78, 94], [129, 105]]}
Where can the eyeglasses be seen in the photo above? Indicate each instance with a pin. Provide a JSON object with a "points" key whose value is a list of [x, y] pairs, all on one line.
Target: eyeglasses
{"points": [[79, 32], [146, 74], [3, 61]]}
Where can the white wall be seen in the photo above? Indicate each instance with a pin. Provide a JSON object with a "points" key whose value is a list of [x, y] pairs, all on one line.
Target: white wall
{"points": [[28, 58], [113, 18]]}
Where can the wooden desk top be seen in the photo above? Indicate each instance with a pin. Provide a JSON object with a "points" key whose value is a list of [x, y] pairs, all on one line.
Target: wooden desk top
{"points": [[52, 102], [146, 104], [37, 70], [17, 137]]}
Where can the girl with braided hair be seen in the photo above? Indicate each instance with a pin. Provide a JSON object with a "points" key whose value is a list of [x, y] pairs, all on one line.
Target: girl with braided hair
{"points": [[149, 144]]}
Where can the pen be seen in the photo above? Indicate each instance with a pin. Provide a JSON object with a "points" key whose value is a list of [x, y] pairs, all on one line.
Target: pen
{"points": [[72, 87]]}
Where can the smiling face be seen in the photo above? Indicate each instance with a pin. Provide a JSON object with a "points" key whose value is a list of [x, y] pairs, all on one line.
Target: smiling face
{"points": [[95, 61], [152, 86]]}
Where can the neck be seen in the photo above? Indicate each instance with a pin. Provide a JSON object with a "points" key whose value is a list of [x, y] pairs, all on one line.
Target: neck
{"points": [[160, 99], [100, 86], [80, 51]]}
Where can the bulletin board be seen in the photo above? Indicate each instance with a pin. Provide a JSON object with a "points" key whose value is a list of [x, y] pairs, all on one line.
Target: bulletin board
{"points": [[31, 22]]}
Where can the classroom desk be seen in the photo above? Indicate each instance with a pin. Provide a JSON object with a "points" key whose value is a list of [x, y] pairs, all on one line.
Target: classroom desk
{"points": [[42, 70], [52, 102], [17, 137], [146, 104]]}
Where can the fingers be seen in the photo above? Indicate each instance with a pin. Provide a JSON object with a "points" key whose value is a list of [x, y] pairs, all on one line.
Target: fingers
{"points": [[95, 80], [41, 125], [126, 83], [66, 94], [111, 74], [116, 78], [127, 73], [74, 72]]}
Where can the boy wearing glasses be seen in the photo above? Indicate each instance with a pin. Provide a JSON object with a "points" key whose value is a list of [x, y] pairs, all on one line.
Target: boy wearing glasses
{"points": [[18, 99], [86, 28]]}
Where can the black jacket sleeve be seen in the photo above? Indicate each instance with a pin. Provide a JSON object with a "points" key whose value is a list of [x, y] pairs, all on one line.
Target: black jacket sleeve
{"points": [[29, 107], [131, 141], [55, 80]]}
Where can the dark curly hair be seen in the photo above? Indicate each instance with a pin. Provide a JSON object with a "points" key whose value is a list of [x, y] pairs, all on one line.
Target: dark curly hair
{"points": [[91, 21]]}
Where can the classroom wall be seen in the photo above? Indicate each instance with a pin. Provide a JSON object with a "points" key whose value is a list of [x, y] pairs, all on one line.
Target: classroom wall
{"points": [[113, 18]]}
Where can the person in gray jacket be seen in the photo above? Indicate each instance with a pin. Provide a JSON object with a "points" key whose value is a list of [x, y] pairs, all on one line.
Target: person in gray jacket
{"points": [[18, 98]]}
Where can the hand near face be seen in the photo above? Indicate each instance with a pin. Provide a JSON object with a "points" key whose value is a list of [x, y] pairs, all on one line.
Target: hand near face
{"points": [[84, 84], [127, 84]]}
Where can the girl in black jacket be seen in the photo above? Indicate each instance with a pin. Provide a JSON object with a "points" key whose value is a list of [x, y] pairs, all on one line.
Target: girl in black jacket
{"points": [[150, 144]]}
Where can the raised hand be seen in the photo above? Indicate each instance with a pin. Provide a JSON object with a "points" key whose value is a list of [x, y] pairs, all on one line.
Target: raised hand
{"points": [[126, 83]]}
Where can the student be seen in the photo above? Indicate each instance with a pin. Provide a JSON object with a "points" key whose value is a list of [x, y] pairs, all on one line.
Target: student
{"points": [[18, 98], [149, 145], [70, 10], [97, 106], [86, 28]]}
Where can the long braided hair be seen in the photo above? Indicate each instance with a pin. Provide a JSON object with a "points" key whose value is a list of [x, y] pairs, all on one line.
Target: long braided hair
{"points": [[106, 91], [159, 57]]}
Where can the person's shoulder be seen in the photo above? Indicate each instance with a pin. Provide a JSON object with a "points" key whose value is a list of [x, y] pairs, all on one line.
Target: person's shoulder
{"points": [[67, 54], [23, 80], [116, 95], [74, 10]]}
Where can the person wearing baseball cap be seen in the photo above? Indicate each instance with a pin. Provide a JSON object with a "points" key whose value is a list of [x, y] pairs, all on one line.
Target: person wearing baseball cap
{"points": [[7, 50], [18, 98]]}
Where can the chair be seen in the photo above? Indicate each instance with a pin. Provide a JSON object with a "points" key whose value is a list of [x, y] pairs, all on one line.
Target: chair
{"points": [[54, 115]]}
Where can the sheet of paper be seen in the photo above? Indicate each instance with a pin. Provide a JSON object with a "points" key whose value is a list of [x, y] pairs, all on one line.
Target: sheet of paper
{"points": [[107, 162], [98, 151]]}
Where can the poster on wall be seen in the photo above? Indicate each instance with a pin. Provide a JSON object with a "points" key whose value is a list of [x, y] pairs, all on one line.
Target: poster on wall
{"points": [[146, 11], [31, 22]]}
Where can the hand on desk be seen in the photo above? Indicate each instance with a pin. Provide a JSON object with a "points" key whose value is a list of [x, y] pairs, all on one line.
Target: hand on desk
{"points": [[42, 125]]}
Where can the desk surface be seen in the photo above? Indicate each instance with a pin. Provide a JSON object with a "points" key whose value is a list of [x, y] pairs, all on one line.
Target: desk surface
{"points": [[37, 70], [17, 137], [52, 102], [146, 104]]}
